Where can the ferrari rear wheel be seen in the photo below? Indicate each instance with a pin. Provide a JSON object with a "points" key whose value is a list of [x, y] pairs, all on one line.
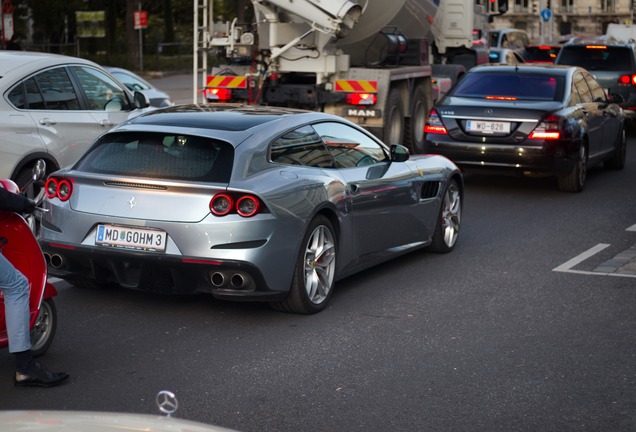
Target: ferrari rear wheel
{"points": [[312, 285], [449, 220]]}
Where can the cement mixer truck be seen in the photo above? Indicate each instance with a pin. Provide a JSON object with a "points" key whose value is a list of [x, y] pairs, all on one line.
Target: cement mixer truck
{"points": [[378, 63]]}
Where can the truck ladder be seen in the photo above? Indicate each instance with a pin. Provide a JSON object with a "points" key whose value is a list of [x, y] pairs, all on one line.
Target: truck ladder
{"points": [[201, 44]]}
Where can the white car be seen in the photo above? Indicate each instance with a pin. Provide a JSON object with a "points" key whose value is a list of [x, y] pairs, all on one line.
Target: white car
{"points": [[53, 107]]}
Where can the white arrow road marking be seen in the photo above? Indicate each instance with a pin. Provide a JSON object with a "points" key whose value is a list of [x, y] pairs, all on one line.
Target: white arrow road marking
{"points": [[567, 266]]}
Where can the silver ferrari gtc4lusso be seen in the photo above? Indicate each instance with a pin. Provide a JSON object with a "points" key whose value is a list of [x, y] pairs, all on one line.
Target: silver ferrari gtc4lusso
{"points": [[245, 203]]}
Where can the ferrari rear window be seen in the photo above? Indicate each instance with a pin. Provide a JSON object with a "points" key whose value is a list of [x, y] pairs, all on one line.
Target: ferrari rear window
{"points": [[161, 156], [511, 86]]}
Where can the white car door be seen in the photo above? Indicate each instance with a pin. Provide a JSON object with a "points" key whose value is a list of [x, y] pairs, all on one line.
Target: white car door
{"points": [[108, 102], [56, 109]]}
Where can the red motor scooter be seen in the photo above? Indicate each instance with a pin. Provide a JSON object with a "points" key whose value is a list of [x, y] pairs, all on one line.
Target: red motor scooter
{"points": [[19, 245]]}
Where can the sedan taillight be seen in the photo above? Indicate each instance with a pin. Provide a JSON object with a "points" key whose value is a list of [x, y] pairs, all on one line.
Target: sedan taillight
{"points": [[548, 129], [434, 124], [627, 79], [245, 205], [59, 187]]}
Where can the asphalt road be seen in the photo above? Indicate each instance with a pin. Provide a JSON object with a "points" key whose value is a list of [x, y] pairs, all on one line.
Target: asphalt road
{"points": [[521, 328]]}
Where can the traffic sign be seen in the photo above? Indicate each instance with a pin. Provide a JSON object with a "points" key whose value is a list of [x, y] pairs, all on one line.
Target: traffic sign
{"points": [[546, 14], [140, 19]]}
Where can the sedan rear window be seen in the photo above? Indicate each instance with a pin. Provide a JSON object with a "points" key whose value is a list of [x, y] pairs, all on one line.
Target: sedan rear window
{"points": [[597, 57], [511, 86], [540, 54], [160, 156]]}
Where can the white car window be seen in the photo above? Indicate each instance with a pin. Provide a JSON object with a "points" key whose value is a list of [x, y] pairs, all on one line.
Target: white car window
{"points": [[103, 93], [48, 90]]}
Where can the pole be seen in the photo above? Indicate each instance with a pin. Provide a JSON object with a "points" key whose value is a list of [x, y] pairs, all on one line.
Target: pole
{"points": [[141, 46], [195, 52]]}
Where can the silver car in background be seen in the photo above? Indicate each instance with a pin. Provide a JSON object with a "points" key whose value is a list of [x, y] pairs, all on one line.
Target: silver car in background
{"points": [[134, 82], [245, 203]]}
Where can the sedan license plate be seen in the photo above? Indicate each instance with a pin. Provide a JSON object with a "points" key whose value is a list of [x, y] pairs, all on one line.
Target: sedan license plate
{"points": [[131, 238], [488, 127]]}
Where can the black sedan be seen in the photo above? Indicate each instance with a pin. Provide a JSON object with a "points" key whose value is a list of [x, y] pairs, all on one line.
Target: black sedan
{"points": [[529, 120]]}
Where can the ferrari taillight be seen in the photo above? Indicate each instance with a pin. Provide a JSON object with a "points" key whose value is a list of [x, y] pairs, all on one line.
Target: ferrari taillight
{"points": [[548, 129], [58, 187], [434, 124], [245, 205]]}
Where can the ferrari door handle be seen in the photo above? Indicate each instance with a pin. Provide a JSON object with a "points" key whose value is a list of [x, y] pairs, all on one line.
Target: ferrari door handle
{"points": [[47, 122], [105, 123]]}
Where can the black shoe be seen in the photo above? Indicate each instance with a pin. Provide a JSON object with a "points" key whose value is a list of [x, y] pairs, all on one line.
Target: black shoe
{"points": [[41, 377]]}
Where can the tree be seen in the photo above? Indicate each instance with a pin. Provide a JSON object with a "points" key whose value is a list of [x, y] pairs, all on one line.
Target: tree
{"points": [[132, 37]]}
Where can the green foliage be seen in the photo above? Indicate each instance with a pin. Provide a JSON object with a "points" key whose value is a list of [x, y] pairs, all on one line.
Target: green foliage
{"points": [[167, 41]]}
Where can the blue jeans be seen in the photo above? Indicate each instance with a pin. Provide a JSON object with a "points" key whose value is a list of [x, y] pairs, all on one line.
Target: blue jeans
{"points": [[16, 306]]}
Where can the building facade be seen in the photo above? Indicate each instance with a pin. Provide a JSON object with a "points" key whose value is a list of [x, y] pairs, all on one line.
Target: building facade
{"points": [[565, 19]]}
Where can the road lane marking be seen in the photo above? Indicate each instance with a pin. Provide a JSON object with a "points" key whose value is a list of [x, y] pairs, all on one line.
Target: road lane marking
{"points": [[567, 266], [580, 258], [631, 228]]}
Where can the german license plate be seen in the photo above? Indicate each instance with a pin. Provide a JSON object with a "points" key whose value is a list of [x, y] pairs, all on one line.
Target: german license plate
{"points": [[131, 238], [487, 127]]}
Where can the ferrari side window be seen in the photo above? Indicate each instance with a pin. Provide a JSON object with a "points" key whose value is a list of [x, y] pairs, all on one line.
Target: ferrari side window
{"points": [[301, 147], [348, 146]]}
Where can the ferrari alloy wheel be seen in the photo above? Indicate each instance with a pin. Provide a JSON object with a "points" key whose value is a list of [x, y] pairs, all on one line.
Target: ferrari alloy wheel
{"points": [[43, 330], [313, 281], [449, 221]]}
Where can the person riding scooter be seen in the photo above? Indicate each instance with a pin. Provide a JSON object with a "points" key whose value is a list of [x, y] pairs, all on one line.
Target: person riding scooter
{"points": [[15, 287]]}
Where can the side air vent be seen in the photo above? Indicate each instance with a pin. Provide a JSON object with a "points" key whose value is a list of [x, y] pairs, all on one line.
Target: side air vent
{"points": [[134, 185], [430, 189]]}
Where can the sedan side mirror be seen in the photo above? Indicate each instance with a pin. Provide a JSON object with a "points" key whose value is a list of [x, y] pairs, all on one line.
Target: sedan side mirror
{"points": [[399, 153], [141, 100]]}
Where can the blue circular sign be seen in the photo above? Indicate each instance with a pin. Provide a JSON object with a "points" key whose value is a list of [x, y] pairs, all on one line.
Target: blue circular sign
{"points": [[546, 14]]}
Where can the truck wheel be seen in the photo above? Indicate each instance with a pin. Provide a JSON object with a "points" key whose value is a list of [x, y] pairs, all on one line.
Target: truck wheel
{"points": [[394, 119], [419, 110]]}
